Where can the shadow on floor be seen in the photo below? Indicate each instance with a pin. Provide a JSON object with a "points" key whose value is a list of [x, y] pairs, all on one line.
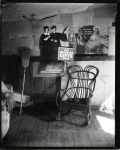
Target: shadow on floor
{"points": [[46, 110]]}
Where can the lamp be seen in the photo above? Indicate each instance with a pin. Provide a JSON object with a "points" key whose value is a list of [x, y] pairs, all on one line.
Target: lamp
{"points": [[25, 59]]}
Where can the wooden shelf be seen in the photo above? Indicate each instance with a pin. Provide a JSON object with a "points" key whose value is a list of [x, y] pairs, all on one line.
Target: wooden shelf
{"points": [[80, 57], [94, 57], [84, 57]]}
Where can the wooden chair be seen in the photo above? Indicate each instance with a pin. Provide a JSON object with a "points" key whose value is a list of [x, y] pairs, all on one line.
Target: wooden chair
{"points": [[79, 90]]}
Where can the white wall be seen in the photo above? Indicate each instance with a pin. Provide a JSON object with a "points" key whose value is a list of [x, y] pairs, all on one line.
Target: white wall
{"points": [[81, 19], [100, 17], [15, 34]]}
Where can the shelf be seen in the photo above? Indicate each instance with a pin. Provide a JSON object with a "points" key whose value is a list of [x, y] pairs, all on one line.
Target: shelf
{"points": [[94, 57], [83, 57], [80, 57]]}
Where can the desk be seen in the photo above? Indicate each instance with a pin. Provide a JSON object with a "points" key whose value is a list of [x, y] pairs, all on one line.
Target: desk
{"points": [[47, 79], [48, 75]]}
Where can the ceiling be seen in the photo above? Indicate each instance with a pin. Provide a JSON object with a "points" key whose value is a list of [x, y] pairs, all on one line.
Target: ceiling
{"points": [[15, 11]]}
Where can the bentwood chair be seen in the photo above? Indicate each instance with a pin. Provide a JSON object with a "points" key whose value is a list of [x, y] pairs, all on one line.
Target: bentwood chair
{"points": [[79, 90]]}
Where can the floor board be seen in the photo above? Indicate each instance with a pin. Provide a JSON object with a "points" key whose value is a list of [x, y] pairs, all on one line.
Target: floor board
{"points": [[37, 127]]}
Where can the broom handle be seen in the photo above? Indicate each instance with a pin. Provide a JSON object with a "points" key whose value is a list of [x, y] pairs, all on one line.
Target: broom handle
{"points": [[23, 85]]}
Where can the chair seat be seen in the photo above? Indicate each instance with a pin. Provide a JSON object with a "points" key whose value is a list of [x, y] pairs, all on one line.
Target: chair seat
{"points": [[83, 101], [70, 104], [74, 105]]}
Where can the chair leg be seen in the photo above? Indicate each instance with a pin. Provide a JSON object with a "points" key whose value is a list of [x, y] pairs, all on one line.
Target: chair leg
{"points": [[89, 118], [59, 112], [58, 116], [89, 115]]}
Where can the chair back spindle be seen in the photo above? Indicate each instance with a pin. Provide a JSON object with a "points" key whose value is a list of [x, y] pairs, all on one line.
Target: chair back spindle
{"points": [[81, 81]]}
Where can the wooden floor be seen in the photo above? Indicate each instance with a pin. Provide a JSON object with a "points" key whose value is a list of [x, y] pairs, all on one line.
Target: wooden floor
{"points": [[37, 127]]}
